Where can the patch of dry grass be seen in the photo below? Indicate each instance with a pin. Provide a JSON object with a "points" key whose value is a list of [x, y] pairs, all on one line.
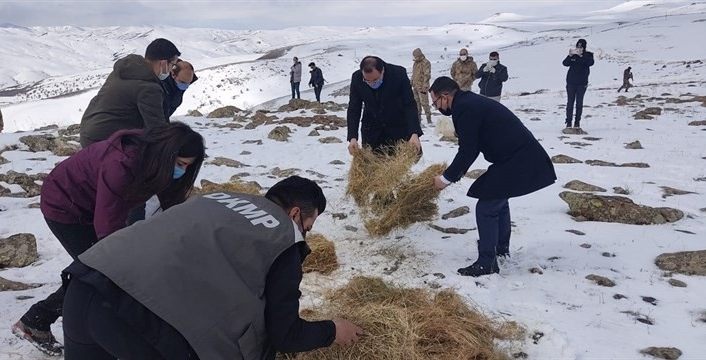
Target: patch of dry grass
{"points": [[410, 324], [323, 257]]}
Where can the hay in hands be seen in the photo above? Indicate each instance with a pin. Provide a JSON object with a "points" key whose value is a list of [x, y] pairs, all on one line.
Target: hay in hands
{"points": [[414, 201], [389, 195], [239, 187], [323, 257], [374, 172], [410, 324]]}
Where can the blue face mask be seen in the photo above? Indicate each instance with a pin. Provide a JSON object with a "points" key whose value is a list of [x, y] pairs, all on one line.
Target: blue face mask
{"points": [[182, 86], [376, 84], [178, 172]]}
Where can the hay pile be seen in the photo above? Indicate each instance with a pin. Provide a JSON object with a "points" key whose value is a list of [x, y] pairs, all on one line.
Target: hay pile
{"points": [[323, 257], [410, 324], [389, 195], [239, 187]]}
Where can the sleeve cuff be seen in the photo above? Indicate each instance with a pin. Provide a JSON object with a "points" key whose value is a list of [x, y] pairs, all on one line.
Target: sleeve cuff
{"points": [[445, 180]]}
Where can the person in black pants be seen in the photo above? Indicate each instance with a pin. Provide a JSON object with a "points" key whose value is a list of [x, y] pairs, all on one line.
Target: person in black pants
{"points": [[317, 80], [578, 61], [519, 165], [89, 195]]}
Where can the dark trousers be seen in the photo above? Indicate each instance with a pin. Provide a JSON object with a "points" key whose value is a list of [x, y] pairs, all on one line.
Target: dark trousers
{"points": [[626, 85], [75, 239], [93, 330], [493, 219], [317, 91], [295, 90], [575, 94]]}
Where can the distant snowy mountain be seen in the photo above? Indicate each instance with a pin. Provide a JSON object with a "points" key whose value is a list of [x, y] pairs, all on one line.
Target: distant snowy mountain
{"points": [[250, 67]]}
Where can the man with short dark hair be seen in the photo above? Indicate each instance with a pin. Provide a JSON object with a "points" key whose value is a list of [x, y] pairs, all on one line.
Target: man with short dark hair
{"points": [[180, 78], [132, 97], [316, 80], [519, 165], [214, 278], [390, 112], [492, 75]]}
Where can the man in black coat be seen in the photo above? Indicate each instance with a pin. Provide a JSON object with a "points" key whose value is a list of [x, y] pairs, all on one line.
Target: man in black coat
{"points": [[181, 77], [317, 80], [578, 61], [390, 112], [519, 165], [492, 75]]}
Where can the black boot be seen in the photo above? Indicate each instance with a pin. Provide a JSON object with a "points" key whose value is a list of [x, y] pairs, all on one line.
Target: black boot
{"points": [[577, 123], [485, 265], [568, 124]]}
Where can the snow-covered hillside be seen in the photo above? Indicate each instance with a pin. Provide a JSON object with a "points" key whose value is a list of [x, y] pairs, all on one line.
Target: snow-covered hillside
{"points": [[577, 319]]}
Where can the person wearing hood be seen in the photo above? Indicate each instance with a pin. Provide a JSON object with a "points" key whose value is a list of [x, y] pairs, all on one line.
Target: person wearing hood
{"points": [[464, 70], [215, 278], [181, 77], [627, 76], [316, 80], [492, 75], [132, 97], [89, 195], [519, 165], [295, 77], [421, 74], [579, 62], [390, 112]]}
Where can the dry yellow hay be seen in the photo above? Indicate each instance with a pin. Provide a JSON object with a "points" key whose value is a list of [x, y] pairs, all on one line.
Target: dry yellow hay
{"points": [[410, 324], [239, 187], [389, 195], [323, 255]]}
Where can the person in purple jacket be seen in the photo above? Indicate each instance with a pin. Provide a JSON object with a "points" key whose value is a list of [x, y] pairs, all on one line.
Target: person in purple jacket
{"points": [[89, 195]]}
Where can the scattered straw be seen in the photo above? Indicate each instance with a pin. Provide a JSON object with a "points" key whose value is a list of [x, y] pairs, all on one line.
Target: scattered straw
{"points": [[323, 255], [410, 324], [239, 187], [389, 195]]}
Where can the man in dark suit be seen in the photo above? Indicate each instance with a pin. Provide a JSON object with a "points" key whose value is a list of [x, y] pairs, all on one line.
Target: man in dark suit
{"points": [[390, 112], [519, 165]]}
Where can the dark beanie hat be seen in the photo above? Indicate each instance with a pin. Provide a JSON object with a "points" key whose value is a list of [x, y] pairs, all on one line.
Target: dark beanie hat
{"points": [[161, 49], [193, 146], [581, 43]]}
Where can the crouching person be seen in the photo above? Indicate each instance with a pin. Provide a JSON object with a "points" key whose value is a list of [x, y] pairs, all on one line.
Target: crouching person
{"points": [[214, 278]]}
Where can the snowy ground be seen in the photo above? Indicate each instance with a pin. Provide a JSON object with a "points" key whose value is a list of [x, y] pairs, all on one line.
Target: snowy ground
{"points": [[579, 319]]}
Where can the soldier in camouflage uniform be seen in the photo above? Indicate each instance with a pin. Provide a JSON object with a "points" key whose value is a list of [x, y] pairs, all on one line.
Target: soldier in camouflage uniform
{"points": [[464, 70], [421, 74]]}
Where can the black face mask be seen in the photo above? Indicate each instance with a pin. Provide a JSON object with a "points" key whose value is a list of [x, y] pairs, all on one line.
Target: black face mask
{"points": [[301, 223]]}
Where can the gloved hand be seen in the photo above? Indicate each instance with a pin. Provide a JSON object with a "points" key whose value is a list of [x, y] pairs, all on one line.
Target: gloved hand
{"points": [[492, 70], [486, 68], [573, 51]]}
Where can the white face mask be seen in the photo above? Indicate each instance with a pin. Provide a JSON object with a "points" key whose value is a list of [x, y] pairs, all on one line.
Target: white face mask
{"points": [[163, 76], [463, 57], [492, 62]]}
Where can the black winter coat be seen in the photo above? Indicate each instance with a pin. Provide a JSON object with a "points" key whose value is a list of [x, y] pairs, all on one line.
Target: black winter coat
{"points": [[390, 112], [519, 164], [491, 84], [578, 68], [172, 95], [317, 77]]}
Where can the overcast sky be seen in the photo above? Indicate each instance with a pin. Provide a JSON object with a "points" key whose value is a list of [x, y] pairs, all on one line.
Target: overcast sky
{"points": [[275, 14]]}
